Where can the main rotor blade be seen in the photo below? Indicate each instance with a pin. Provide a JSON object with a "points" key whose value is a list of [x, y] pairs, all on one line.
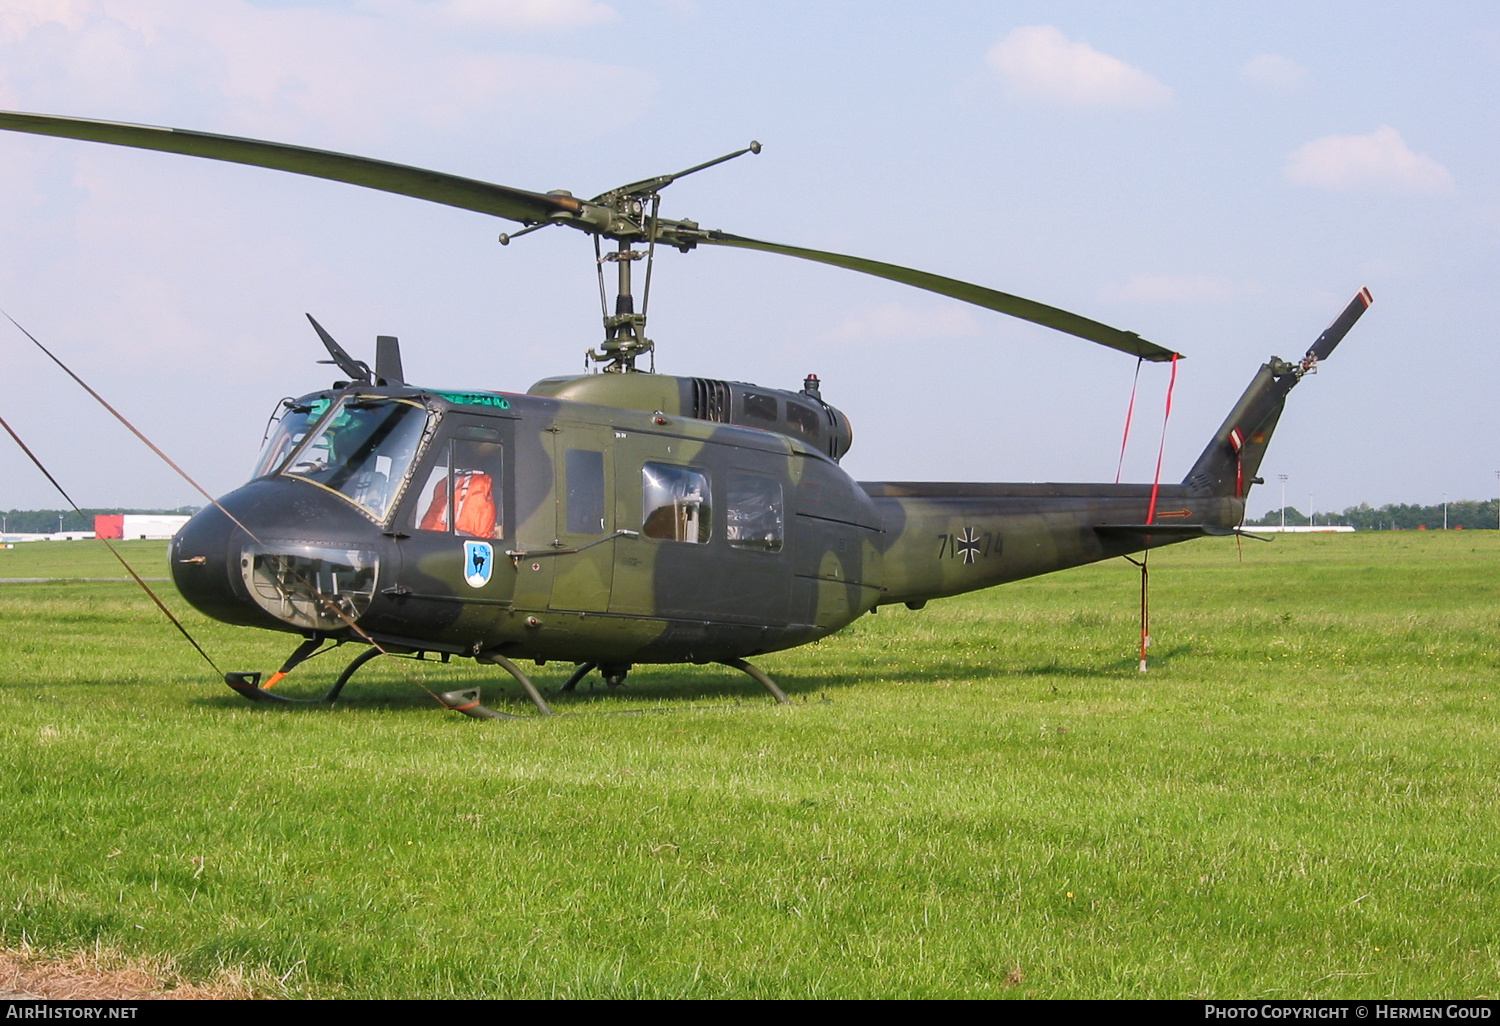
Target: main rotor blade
{"points": [[536, 208], [449, 190], [1015, 306]]}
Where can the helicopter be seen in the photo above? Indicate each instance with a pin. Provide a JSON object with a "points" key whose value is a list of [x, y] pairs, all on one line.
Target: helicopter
{"points": [[622, 516]]}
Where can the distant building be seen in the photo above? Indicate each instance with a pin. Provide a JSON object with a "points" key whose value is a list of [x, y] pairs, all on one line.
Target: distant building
{"points": [[120, 526]]}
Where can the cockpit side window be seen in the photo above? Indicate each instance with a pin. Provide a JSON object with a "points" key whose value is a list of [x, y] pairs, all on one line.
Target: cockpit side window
{"points": [[462, 494], [362, 450]]}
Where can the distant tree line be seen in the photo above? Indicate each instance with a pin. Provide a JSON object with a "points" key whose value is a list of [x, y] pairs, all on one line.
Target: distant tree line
{"points": [[1464, 514], [45, 521]]}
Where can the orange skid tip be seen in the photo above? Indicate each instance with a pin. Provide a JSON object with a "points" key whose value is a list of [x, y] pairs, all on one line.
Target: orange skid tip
{"points": [[467, 702], [247, 685], [273, 680]]}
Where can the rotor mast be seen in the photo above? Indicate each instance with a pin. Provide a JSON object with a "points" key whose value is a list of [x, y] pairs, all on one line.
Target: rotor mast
{"points": [[625, 330], [633, 216]]}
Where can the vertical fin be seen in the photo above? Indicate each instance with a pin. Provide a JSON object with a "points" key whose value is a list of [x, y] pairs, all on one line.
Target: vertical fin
{"points": [[1229, 465]]}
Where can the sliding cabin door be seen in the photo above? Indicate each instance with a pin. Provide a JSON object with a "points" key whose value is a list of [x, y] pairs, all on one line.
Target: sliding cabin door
{"points": [[583, 567]]}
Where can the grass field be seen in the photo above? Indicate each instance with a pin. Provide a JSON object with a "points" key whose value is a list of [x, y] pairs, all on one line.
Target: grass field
{"points": [[983, 798]]}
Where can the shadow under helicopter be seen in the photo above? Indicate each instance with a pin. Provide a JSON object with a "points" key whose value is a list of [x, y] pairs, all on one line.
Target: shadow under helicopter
{"points": [[389, 689]]}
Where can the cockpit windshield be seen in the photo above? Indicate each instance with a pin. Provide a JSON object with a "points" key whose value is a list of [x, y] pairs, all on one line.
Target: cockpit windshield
{"points": [[362, 450], [291, 429]]}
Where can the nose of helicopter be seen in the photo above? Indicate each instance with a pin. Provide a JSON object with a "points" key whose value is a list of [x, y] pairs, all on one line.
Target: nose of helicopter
{"points": [[280, 554]]}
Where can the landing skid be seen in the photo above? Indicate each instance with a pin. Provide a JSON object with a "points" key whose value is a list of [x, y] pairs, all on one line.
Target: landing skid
{"points": [[760, 677], [248, 685], [463, 700], [615, 677]]}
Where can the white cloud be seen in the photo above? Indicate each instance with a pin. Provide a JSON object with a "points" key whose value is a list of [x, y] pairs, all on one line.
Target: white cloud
{"points": [[1276, 73], [337, 77], [896, 321], [21, 17], [518, 15], [1038, 60], [1381, 160], [1172, 288]]}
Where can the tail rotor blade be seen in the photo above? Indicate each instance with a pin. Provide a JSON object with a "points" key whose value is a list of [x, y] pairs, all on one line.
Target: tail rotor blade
{"points": [[1336, 331]]}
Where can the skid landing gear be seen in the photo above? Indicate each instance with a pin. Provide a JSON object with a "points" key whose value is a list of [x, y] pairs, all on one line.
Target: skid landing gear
{"points": [[614, 676], [584, 669], [760, 677], [464, 700], [511, 668], [248, 685]]}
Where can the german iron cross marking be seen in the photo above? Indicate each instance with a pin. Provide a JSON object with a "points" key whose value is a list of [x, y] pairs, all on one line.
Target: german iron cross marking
{"points": [[967, 544]]}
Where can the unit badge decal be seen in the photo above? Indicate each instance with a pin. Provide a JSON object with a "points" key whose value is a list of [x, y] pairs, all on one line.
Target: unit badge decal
{"points": [[479, 557]]}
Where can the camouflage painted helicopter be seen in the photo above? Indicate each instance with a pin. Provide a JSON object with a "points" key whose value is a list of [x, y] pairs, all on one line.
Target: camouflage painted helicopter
{"points": [[625, 517]]}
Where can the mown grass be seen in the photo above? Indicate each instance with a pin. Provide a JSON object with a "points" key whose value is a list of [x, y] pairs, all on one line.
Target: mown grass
{"points": [[981, 798]]}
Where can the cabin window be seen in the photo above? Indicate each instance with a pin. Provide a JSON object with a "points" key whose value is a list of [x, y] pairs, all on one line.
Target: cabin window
{"points": [[760, 407], [675, 503], [463, 490], [584, 469], [362, 450], [753, 517], [803, 419]]}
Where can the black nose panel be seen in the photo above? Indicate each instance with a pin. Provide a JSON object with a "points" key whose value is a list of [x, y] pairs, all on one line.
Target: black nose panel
{"points": [[220, 549]]}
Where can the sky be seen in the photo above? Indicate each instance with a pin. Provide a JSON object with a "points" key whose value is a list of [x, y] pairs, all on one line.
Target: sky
{"points": [[1220, 178]]}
